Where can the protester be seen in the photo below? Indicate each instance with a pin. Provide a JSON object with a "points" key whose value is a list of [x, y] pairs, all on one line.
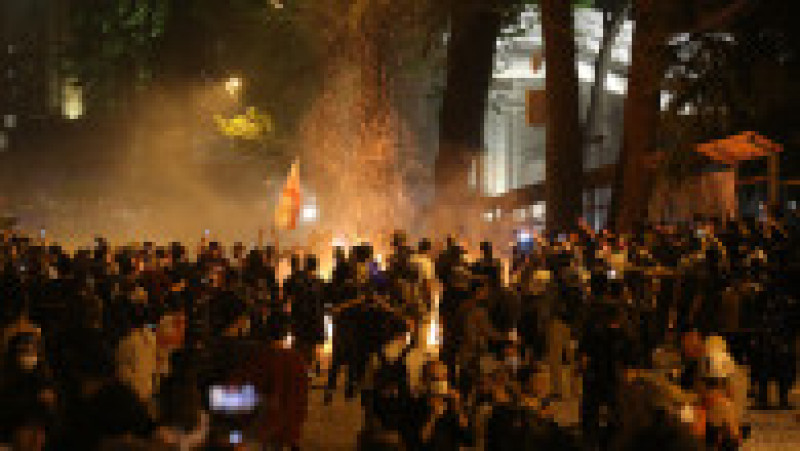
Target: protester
{"points": [[119, 346]]}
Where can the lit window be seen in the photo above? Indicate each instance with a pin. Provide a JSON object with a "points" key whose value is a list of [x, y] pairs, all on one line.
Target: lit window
{"points": [[538, 211], [11, 49], [792, 205], [3, 141], [9, 121], [488, 216], [72, 106]]}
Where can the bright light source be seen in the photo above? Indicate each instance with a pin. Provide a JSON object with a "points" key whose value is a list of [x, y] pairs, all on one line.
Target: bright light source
{"points": [[288, 341], [72, 106], [309, 213], [277, 4], [233, 85], [792, 203], [434, 337]]}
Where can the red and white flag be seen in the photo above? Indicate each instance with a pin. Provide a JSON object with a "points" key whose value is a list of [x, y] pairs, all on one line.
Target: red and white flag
{"points": [[288, 210]]}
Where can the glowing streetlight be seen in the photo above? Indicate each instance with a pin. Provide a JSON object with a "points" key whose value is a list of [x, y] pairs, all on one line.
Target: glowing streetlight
{"points": [[233, 85]]}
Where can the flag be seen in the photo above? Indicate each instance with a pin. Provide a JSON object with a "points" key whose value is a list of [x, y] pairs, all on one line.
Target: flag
{"points": [[288, 209]]}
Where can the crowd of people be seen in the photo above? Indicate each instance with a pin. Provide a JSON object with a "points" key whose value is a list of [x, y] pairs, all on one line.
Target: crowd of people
{"points": [[663, 335]]}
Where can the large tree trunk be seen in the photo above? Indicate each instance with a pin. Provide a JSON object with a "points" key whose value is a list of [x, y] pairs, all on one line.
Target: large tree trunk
{"points": [[655, 21], [470, 59], [564, 155], [612, 24], [632, 184]]}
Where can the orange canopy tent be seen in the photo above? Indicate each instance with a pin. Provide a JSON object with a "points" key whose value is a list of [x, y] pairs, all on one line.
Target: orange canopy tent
{"points": [[737, 148], [744, 147]]}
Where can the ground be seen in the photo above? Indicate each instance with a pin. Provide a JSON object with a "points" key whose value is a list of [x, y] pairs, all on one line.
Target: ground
{"points": [[336, 426]]}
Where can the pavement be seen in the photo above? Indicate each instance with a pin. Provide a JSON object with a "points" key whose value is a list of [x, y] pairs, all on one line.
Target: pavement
{"points": [[335, 427]]}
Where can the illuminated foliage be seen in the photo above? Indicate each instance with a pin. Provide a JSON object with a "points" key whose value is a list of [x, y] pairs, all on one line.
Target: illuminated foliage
{"points": [[253, 125]]}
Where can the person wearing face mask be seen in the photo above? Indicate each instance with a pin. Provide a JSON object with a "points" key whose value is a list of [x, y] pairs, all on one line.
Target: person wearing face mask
{"points": [[27, 392], [443, 421]]}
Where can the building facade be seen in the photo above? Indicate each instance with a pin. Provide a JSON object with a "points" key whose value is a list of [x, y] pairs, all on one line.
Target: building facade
{"points": [[513, 167]]}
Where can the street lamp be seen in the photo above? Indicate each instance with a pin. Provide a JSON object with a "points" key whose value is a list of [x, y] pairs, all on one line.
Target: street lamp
{"points": [[233, 85]]}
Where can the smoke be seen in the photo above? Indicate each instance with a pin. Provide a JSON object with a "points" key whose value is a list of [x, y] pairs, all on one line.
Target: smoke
{"points": [[165, 174], [169, 175]]}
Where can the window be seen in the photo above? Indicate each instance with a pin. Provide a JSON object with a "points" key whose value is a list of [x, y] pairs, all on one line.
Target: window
{"points": [[9, 121], [3, 141], [539, 211], [596, 203]]}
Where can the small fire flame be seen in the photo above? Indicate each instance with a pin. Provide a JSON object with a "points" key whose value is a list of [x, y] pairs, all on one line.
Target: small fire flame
{"points": [[434, 335], [327, 346]]}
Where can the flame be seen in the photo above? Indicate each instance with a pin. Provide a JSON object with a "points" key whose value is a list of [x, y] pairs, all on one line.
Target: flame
{"points": [[434, 333]]}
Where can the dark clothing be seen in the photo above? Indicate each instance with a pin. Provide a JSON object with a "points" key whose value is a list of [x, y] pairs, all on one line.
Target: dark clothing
{"points": [[488, 268], [307, 311], [505, 429], [609, 351], [19, 397], [690, 374], [113, 411]]}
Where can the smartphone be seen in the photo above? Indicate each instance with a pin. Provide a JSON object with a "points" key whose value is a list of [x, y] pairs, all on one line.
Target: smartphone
{"points": [[233, 399]]}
